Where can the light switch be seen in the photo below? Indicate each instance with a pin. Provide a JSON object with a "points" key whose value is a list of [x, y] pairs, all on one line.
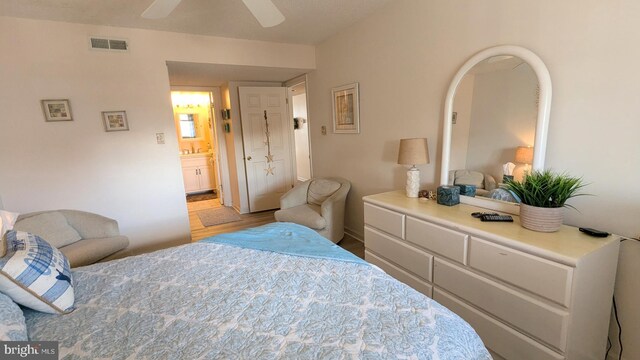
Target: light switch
{"points": [[324, 130], [160, 138]]}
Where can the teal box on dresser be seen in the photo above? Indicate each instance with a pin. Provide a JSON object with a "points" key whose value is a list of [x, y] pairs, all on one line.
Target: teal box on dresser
{"points": [[448, 195], [467, 190]]}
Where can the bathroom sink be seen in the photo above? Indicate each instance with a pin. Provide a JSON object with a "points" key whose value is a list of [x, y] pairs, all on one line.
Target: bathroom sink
{"points": [[197, 154]]}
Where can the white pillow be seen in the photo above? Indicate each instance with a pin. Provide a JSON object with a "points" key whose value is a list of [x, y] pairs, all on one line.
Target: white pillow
{"points": [[36, 274], [7, 220]]}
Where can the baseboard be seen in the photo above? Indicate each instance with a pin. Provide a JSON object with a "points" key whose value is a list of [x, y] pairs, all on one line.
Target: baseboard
{"points": [[354, 235]]}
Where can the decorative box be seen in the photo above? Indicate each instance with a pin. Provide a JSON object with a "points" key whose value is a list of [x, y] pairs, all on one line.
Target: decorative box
{"points": [[448, 195], [467, 190]]}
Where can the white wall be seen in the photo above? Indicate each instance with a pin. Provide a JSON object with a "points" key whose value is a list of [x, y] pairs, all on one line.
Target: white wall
{"points": [[301, 137], [404, 57], [123, 175]]}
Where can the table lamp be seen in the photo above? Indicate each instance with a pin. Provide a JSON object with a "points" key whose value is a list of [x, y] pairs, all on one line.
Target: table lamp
{"points": [[524, 155], [413, 152]]}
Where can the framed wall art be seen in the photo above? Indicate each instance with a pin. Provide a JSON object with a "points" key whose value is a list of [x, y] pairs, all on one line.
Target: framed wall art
{"points": [[115, 121], [346, 109], [56, 110]]}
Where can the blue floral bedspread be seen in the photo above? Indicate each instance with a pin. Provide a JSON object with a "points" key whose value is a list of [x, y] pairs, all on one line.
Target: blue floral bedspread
{"points": [[215, 301], [286, 238]]}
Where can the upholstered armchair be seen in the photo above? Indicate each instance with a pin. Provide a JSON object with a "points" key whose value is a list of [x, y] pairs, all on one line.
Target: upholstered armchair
{"points": [[84, 238], [317, 204], [484, 182]]}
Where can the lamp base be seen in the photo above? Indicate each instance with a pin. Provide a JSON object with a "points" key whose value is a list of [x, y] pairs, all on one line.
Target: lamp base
{"points": [[413, 182]]}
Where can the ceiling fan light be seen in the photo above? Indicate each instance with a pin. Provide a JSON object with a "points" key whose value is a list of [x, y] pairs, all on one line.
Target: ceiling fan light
{"points": [[160, 9], [265, 12]]}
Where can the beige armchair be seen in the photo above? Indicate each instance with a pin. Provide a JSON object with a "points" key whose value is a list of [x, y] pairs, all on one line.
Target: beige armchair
{"points": [[84, 238], [484, 182], [317, 204]]}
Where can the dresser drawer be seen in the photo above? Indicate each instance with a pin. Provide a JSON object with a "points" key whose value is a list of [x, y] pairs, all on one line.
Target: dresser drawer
{"points": [[448, 243], [497, 336], [408, 257], [385, 220], [540, 276], [399, 274], [541, 320]]}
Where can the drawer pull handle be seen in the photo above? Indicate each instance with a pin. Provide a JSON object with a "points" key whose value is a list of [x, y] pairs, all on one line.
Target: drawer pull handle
{"points": [[503, 254]]}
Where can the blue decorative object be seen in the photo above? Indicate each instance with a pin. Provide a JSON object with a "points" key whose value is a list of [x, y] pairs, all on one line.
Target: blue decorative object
{"points": [[448, 195], [467, 190], [35, 274]]}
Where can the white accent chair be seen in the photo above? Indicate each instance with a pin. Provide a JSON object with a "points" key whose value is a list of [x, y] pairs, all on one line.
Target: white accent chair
{"points": [[317, 204], [484, 182], [83, 237]]}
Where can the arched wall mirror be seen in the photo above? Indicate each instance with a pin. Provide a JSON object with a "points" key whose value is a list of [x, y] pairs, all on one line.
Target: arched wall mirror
{"points": [[496, 117]]}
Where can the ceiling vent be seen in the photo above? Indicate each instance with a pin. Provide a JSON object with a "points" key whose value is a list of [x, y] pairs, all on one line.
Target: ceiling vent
{"points": [[109, 44]]}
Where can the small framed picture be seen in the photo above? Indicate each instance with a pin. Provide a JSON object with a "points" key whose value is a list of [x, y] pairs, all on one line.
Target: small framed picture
{"points": [[115, 121], [346, 112], [56, 110]]}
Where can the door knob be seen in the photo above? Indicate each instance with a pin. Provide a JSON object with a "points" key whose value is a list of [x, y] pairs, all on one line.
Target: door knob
{"points": [[249, 158]]}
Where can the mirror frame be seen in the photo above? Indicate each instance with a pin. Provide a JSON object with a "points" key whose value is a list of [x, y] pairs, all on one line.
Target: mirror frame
{"points": [[542, 123]]}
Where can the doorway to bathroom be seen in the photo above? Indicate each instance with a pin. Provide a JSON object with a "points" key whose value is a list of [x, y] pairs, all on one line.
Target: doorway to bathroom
{"points": [[197, 144]]}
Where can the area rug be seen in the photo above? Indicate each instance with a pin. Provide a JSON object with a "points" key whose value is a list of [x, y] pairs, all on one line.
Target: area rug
{"points": [[217, 216], [210, 195]]}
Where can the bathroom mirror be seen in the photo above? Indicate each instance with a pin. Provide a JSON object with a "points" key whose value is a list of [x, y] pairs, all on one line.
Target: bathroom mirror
{"points": [[188, 126], [498, 101]]}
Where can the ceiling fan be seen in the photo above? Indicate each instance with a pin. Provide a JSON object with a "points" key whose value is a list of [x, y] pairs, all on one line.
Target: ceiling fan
{"points": [[264, 11]]}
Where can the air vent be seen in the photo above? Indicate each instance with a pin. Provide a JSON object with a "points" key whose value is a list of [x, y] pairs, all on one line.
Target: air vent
{"points": [[109, 44]]}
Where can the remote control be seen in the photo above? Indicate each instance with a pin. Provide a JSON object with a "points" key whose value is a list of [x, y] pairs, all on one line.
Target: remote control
{"points": [[480, 214], [594, 232], [504, 218]]}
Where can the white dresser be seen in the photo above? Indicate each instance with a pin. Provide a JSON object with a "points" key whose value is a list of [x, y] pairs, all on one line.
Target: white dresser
{"points": [[529, 295]]}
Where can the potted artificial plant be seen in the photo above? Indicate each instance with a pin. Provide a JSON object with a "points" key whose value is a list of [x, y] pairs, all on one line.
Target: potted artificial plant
{"points": [[543, 196]]}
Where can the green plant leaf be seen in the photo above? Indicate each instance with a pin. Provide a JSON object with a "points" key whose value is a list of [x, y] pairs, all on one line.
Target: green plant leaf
{"points": [[546, 189]]}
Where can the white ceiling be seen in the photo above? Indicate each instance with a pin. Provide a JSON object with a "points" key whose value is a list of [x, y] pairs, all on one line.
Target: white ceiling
{"points": [[307, 21]]}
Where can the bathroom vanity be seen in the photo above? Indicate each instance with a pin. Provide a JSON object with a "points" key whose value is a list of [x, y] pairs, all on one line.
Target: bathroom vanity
{"points": [[198, 172]]}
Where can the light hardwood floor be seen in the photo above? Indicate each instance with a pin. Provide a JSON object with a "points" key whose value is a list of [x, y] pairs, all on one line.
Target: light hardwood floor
{"points": [[199, 231]]}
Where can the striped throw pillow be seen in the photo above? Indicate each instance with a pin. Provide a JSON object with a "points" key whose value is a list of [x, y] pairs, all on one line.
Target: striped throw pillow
{"points": [[36, 274]]}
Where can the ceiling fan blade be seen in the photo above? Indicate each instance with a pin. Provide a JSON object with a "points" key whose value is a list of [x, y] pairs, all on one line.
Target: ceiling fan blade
{"points": [[265, 12], [160, 9]]}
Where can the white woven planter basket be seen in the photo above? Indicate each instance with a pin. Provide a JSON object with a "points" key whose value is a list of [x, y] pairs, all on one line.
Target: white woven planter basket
{"points": [[541, 219]]}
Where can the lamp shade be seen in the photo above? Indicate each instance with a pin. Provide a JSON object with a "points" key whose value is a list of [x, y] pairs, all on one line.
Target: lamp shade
{"points": [[413, 151], [524, 154]]}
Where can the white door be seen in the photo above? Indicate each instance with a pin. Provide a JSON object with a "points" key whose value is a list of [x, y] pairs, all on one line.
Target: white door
{"points": [[267, 145]]}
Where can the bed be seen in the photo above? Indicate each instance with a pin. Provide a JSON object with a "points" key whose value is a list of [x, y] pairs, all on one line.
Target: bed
{"points": [[264, 297]]}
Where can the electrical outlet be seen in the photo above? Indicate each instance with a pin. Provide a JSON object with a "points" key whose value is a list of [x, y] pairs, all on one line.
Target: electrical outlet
{"points": [[160, 138], [324, 130]]}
